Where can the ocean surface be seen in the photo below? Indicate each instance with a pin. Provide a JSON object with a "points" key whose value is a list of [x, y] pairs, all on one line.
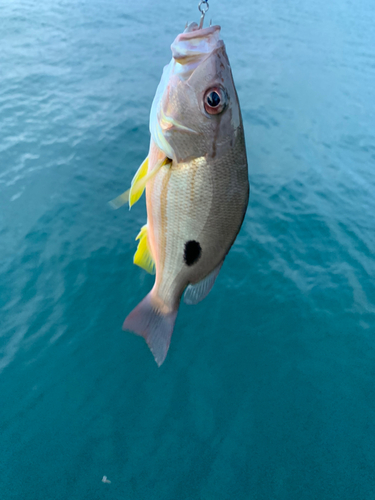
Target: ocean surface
{"points": [[268, 389]]}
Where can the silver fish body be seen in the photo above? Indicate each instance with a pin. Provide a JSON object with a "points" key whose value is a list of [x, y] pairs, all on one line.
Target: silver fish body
{"points": [[197, 201]]}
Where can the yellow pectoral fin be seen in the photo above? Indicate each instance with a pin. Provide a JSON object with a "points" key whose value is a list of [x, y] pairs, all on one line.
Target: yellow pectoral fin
{"points": [[120, 200], [142, 256], [133, 194], [139, 183], [137, 187]]}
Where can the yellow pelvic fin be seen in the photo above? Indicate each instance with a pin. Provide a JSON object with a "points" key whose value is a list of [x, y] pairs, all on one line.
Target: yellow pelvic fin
{"points": [[142, 256]]}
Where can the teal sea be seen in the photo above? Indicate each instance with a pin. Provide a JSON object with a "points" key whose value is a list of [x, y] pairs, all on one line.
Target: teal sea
{"points": [[268, 389]]}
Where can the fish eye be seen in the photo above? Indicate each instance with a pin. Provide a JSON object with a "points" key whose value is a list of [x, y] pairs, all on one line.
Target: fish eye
{"points": [[214, 100]]}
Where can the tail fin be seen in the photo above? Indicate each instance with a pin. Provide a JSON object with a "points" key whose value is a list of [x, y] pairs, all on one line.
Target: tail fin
{"points": [[154, 326]]}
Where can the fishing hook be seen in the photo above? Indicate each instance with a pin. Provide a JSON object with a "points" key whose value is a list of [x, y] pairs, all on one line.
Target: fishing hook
{"points": [[203, 8]]}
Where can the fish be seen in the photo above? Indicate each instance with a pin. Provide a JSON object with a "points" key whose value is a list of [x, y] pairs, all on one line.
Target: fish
{"points": [[196, 182]]}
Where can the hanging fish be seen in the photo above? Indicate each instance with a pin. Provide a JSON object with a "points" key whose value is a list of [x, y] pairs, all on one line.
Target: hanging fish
{"points": [[196, 182]]}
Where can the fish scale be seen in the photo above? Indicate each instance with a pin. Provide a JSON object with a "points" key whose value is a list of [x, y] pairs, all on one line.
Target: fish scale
{"points": [[185, 218]]}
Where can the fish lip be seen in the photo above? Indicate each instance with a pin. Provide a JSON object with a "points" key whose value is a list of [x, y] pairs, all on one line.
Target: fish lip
{"points": [[199, 33], [195, 46]]}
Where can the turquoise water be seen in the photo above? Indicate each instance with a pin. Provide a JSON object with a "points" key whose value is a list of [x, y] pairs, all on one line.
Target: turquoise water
{"points": [[268, 389]]}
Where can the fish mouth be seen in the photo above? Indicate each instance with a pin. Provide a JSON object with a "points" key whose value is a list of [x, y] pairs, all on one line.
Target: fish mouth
{"points": [[195, 44], [193, 31]]}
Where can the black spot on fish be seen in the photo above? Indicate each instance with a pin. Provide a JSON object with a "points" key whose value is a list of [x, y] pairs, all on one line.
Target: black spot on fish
{"points": [[192, 252]]}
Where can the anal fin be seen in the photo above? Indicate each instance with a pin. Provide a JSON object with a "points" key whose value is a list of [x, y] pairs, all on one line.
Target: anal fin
{"points": [[199, 291]]}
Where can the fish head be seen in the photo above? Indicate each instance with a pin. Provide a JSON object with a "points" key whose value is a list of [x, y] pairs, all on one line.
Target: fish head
{"points": [[195, 111]]}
